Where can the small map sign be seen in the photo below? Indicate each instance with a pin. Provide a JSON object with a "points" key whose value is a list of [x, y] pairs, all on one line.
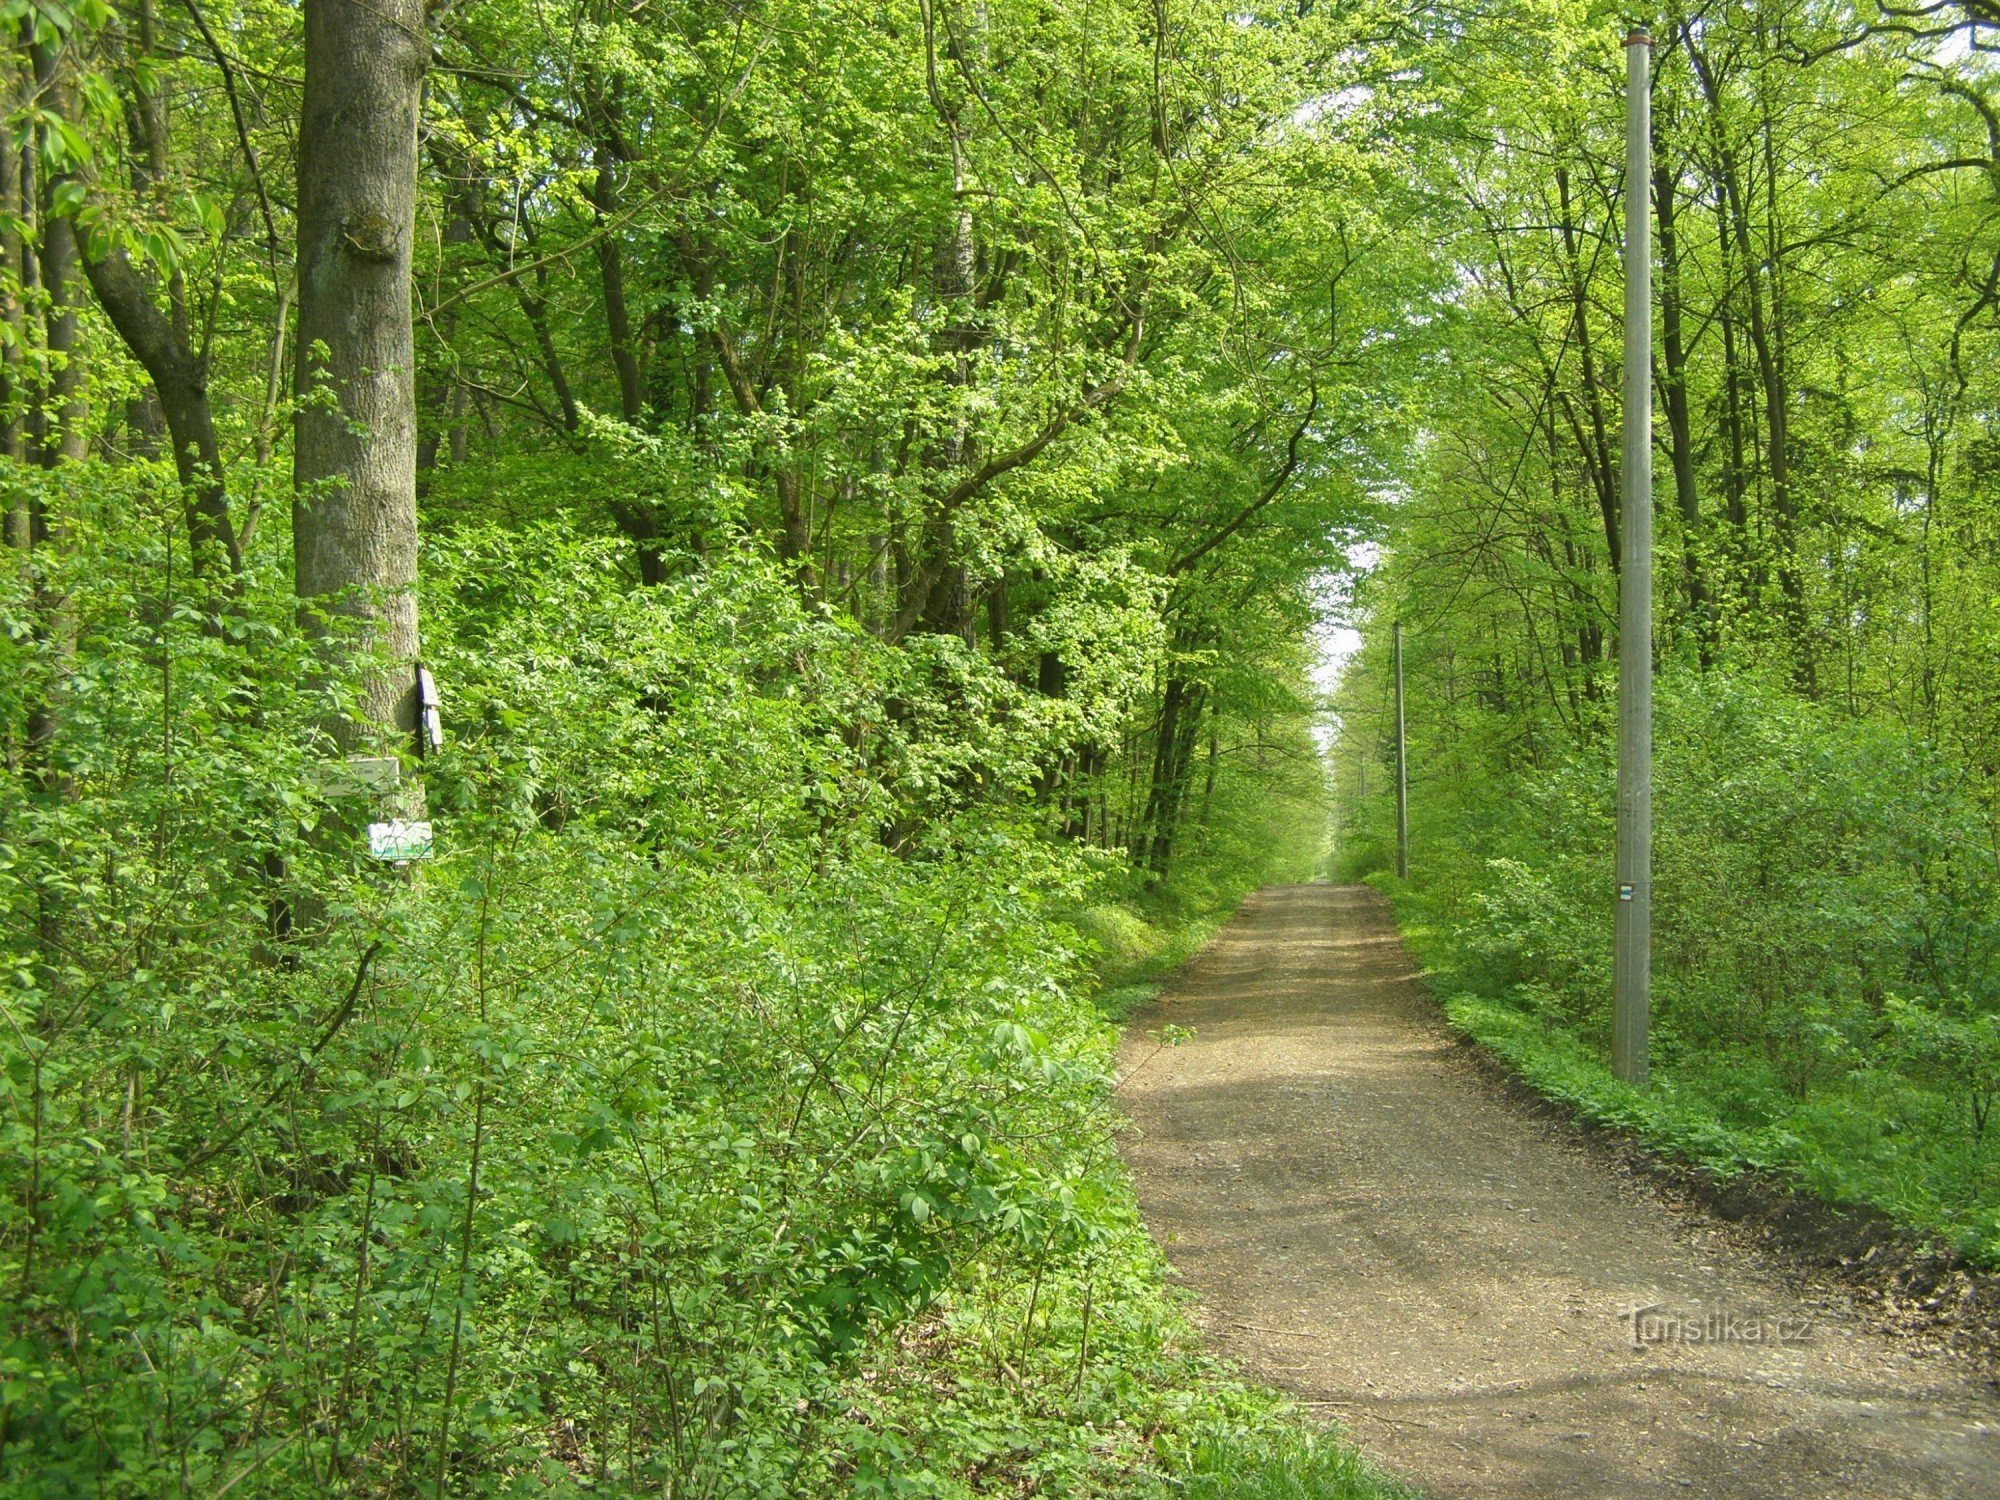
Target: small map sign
{"points": [[399, 842]]}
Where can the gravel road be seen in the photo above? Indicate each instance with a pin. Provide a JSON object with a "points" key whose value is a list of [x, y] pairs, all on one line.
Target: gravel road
{"points": [[1369, 1223]]}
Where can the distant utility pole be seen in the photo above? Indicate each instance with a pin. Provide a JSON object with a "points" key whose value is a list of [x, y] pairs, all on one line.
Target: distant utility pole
{"points": [[1402, 769], [1632, 981]]}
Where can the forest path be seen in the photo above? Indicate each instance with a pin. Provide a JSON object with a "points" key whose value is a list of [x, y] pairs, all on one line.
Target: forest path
{"points": [[1369, 1224]]}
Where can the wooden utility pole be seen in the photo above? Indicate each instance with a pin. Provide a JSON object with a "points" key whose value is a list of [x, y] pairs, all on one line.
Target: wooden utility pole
{"points": [[1633, 936], [1402, 769]]}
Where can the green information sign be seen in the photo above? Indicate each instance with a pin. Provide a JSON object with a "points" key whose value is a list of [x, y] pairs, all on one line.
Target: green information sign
{"points": [[399, 842]]}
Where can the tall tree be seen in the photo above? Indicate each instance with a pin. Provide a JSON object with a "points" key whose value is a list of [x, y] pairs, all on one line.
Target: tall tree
{"points": [[354, 517]]}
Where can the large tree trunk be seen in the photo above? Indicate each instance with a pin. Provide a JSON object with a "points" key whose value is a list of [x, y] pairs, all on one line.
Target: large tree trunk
{"points": [[355, 463], [1735, 460], [1173, 754], [611, 273], [638, 520], [60, 419], [947, 587]]}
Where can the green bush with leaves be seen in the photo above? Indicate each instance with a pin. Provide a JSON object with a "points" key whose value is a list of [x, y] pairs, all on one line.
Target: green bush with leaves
{"points": [[737, 1023], [1826, 938]]}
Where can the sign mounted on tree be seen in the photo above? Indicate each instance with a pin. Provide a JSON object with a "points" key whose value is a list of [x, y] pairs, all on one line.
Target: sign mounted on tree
{"points": [[430, 717], [397, 842]]}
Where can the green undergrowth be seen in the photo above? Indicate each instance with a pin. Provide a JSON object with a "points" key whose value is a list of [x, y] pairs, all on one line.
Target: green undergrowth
{"points": [[1291, 1465], [724, 1113], [1141, 949], [1558, 1068], [1077, 1370], [1866, 1138], [1078, 1377], [1826, 942]]}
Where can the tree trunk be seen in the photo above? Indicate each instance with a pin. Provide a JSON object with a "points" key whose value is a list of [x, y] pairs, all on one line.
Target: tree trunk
{"points": [[1173, 755], [182, 385], [1596, 443], [1680, 432], [68, 440], [611, 273], [355, 513], [14, 388], [1758, 266], [948, 603], [638, 521]]}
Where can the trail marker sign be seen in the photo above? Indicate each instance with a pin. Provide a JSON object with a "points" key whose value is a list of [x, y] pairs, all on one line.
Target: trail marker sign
{"points": [[398, 842]]}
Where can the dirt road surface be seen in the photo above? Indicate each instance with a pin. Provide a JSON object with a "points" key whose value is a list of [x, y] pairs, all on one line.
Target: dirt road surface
{"points": [[1368, 1223]]}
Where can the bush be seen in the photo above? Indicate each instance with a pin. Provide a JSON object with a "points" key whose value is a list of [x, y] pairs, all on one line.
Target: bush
{"points": [[722, 1092], [1824, 947]]}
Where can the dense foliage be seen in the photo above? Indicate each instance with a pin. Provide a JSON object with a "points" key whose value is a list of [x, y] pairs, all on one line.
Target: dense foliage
{"points": [[622, 1145], [1826, 802], [877, 472], [873, 471]]}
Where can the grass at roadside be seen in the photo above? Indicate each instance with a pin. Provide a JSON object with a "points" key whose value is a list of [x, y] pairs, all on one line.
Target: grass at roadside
{"points": [[1284, 1465], [1141, 949], [1090, 1381], [1085, 1376], [1867, 1137]]}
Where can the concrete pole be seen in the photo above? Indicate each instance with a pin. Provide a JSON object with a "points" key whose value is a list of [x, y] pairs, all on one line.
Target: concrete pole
{"points": [[1402, 769], [1633, 941]]}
